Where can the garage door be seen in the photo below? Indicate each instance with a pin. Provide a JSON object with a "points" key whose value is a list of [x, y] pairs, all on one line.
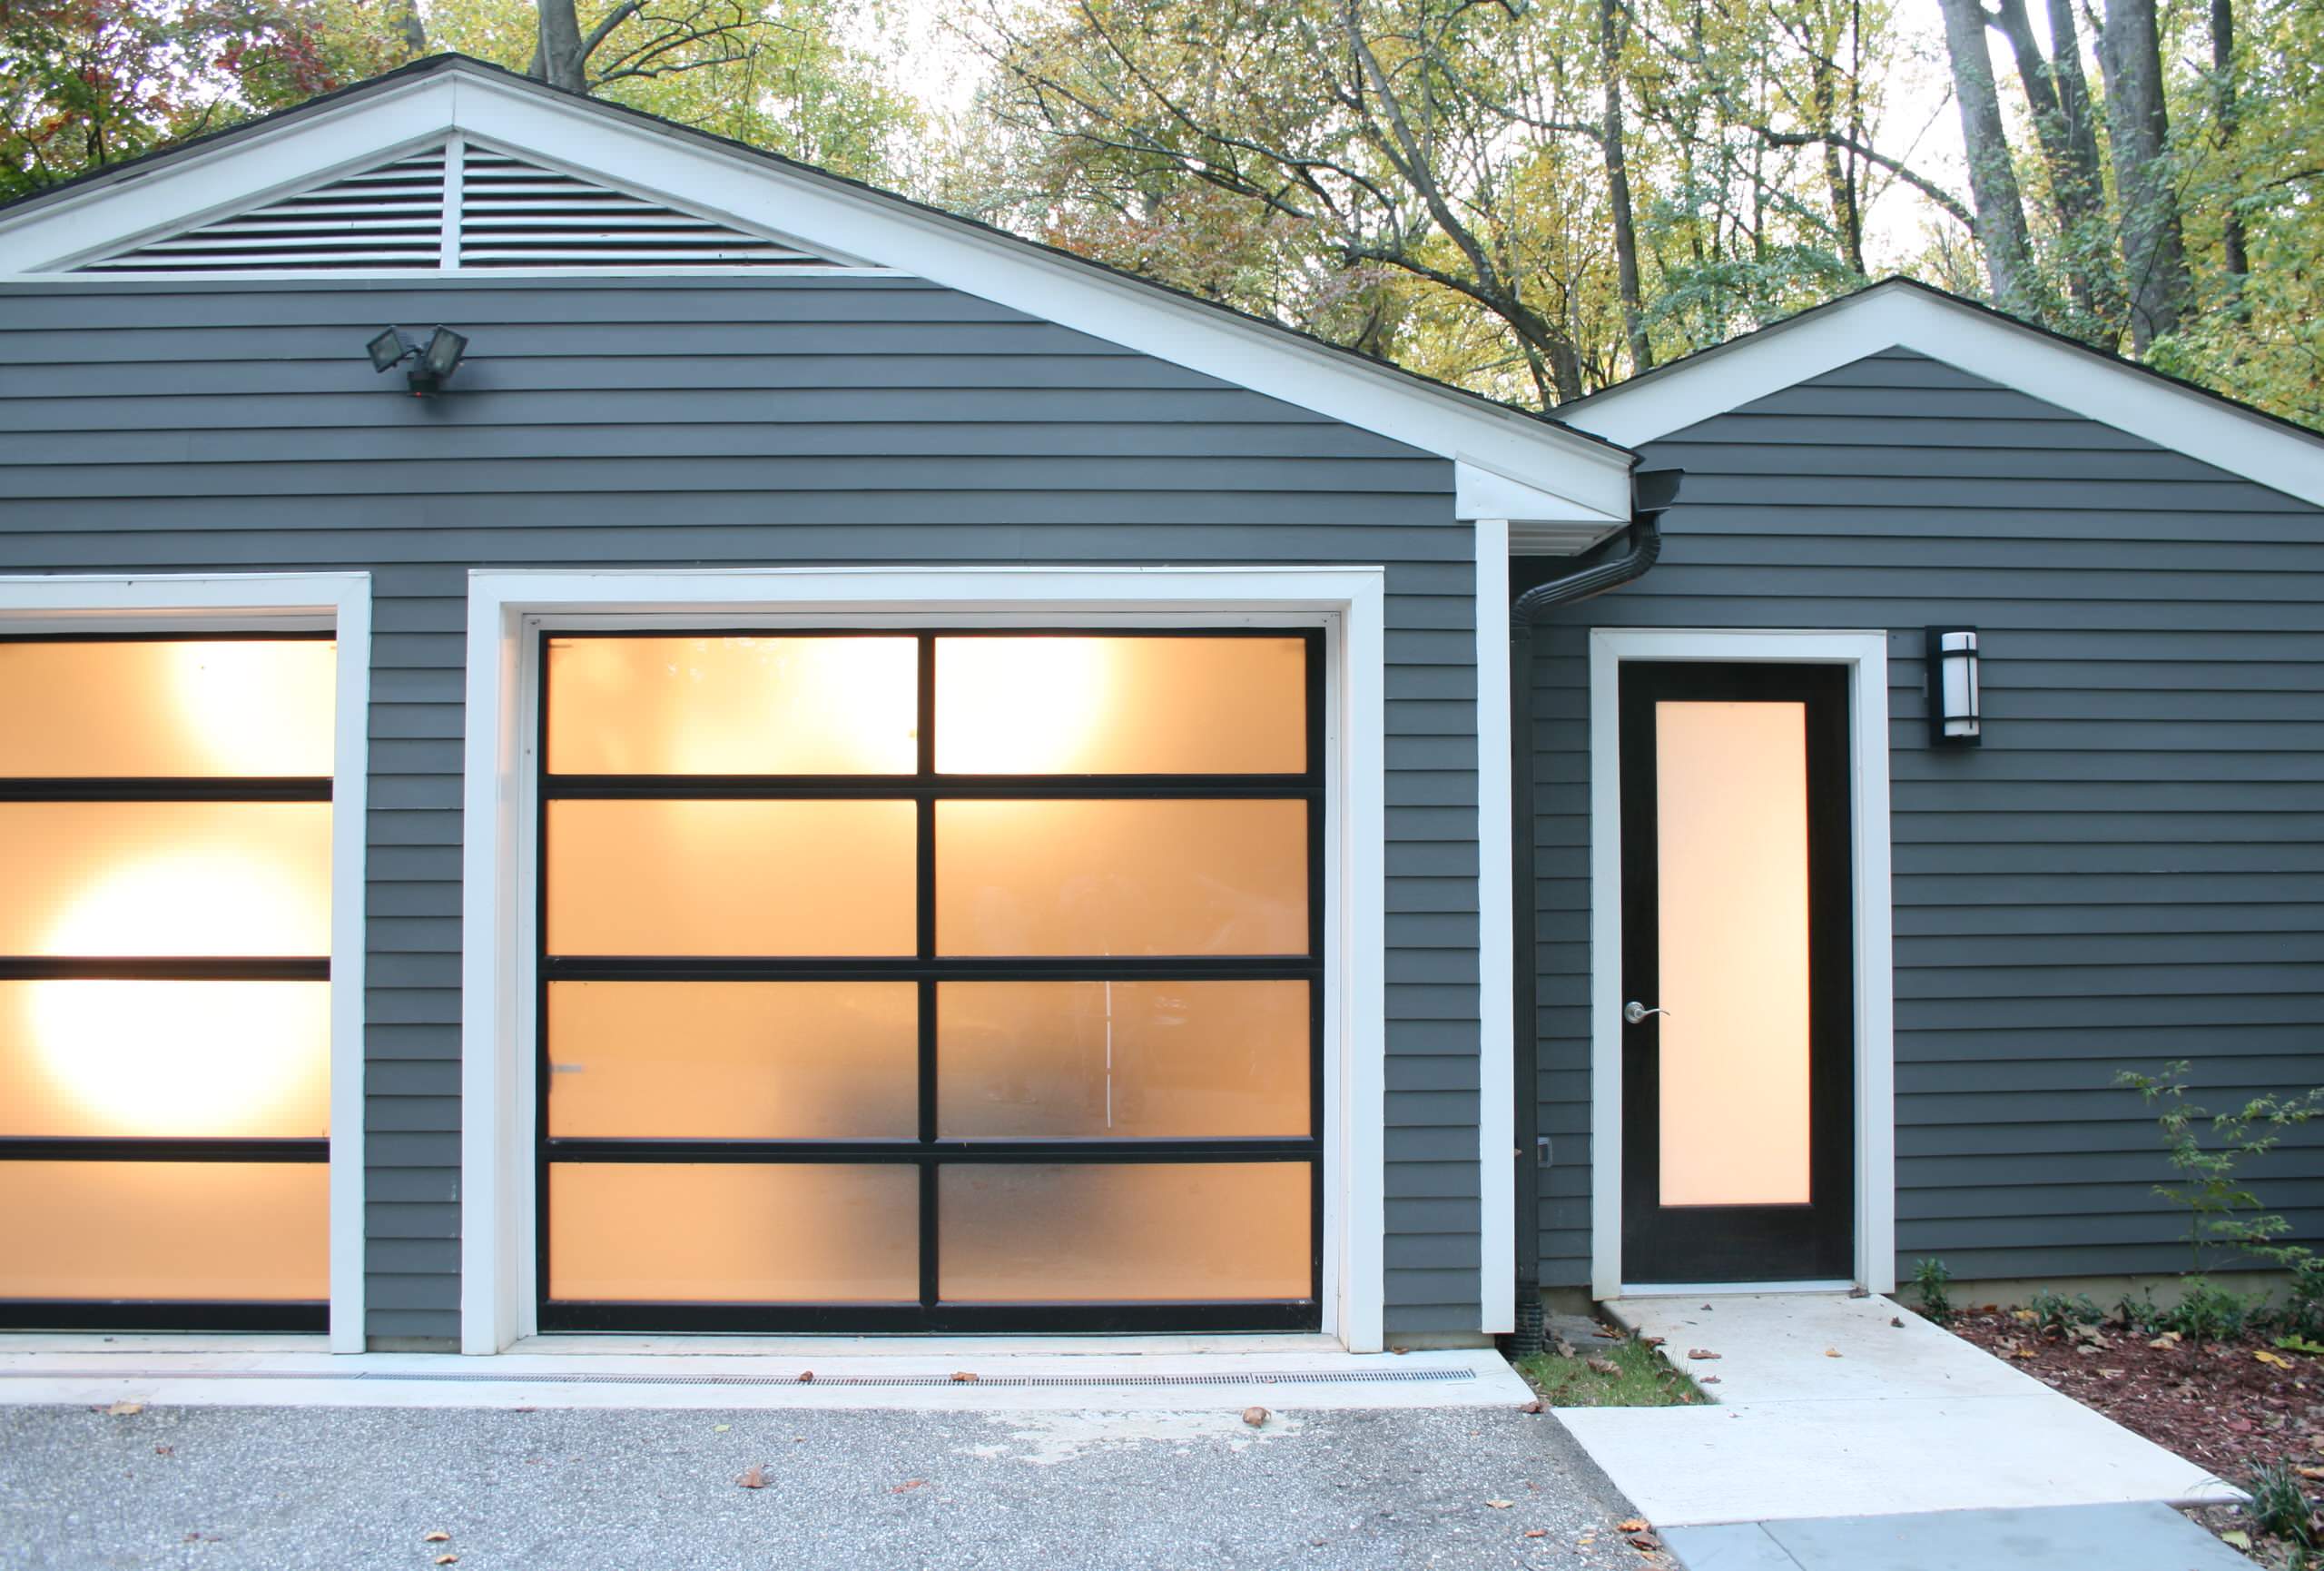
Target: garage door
{"points": [[165, 980], [942, 981]]}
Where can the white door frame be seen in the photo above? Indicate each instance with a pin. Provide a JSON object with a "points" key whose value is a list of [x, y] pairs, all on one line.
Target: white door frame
{"points": [[1865, 654], [274, 602], [498, 1297]]}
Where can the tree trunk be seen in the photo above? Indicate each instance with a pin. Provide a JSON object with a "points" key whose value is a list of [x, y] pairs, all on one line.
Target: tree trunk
{"points": [[2226, 113], [558, 59], [1847, 219], [1618, 184], [2077, 193], [2154, 250], [1992, 180], [413, 28]]}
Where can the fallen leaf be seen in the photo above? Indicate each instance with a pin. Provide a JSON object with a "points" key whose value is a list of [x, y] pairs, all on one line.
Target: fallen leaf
{"points": [[2310, 1472], [963, 1376], [1608, 1333], [807, 1375], [1897, 1321], [1536, 1533], [1701, 1353], [2110, 1374], [2265, 1356], [1501, 1505], [1707, 1380], [2023, 1353], [1632, 1525], [438, 1537], [907, 1485], [1532, 1407], [2239, 1539], [1605, 1366], [124, 1409], [1254, 1416], [1644, 1541], [165, 1450], [1651, 1341], [446, 1559], [1400, 1352], [720, 1428], [753, 1477], [1831, 1352]]}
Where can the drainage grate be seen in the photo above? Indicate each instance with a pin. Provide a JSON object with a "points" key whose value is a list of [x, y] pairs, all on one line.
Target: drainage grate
{"points": [[982, 1382]]}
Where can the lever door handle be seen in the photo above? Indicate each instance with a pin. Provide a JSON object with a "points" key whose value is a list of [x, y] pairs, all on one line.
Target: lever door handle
{"points": [[1635, 1012]]}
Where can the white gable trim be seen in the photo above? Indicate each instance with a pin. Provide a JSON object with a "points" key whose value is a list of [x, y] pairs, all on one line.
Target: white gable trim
{"points": [[828, 215], [2021, 359]]}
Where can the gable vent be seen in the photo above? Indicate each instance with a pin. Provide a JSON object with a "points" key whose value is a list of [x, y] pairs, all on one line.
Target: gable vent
{"points": [[389, 217], [456, 206]]}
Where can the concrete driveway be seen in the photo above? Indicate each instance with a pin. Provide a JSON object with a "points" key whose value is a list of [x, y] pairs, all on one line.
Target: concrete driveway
{"points": [[318, 1489]]}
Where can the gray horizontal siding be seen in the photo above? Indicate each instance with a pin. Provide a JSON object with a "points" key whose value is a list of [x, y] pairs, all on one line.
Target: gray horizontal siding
{"points": [[2127, 872], [237, 426]]}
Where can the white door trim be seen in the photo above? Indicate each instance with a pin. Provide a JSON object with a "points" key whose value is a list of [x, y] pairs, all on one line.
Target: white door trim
{"points": [[1497, 1154], [1865, 657], [273, 602], [497, 1291]]}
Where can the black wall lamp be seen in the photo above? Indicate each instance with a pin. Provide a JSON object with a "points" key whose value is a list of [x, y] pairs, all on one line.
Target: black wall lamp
{"points": [[432, 363], [1954, 717]]}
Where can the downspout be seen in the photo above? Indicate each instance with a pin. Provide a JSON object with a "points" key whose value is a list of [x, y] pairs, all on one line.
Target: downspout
{"points": [[1651, 493]]}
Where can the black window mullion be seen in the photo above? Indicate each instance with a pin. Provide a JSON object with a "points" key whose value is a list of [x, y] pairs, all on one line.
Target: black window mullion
{"points": [[931, 1262]]}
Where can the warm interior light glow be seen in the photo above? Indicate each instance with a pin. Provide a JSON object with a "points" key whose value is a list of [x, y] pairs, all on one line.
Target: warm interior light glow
{"points": [[176, 878], [734, 705], [1731, 805], [200, 706], [167, 1230], [1052, 705], [107, 1058]]}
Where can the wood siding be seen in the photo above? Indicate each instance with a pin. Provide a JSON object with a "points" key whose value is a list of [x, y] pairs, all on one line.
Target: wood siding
{"points": [[236, 425], [2130, 870]]}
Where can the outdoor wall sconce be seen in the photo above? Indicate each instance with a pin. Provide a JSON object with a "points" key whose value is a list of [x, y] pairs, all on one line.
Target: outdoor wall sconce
{"points": [[1954, 720], [432, 363]]}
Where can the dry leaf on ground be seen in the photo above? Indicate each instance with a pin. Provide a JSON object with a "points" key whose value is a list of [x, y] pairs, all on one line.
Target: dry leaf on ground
{"points": [[963, 1376], [805, 1375], [124, 1409], [1501, 1505], [1254, 1416], [1701, 1353], [1537, 1532], [906, 1486], [437, 1537], [1831, 1352], [1632, 1525], [446, 1559], [752, 1477], [1605, 1366], [1532, 1407]]}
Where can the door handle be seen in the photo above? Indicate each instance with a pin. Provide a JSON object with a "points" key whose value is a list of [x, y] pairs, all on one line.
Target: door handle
{"points": [[1635, 1012]]}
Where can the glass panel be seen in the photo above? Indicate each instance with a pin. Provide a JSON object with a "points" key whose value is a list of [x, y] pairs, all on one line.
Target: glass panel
{"points": [[1145, 877], [728, 1232], [148, 1229], [181, 878], [1132, 1232], [165, 1058], [201, 707], [1093, 1060], [717, 705], [734, 1059], [731, 877], [1731, 811], [1121, 705]]}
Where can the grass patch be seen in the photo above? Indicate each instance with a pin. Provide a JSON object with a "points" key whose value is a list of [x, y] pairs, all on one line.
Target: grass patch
{"points": [[1624, 1374]]}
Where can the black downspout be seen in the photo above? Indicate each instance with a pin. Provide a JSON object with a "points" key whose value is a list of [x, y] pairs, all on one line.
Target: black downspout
{"points": [[1651, 492]]}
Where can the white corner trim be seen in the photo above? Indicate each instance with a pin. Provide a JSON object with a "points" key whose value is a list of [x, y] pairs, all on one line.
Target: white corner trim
{"points": [[497, 1289], [2022, 358], [1865, 656], [1497, 1158], [832, 217], [341, 602], [1480, 493]]}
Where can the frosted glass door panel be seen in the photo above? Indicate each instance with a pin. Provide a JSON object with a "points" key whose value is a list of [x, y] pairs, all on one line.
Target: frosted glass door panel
{"points": [[1731, 804]]}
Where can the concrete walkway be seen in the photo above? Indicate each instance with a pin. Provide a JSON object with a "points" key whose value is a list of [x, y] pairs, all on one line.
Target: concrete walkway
{"points": [[1830, 1406], [2147, 1537]]}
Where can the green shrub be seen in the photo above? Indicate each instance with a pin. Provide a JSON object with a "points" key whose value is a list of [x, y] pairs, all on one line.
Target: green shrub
{"points": [[1929, 1280], [2205, 1313], [2057, 1314], [2280, 1504]]}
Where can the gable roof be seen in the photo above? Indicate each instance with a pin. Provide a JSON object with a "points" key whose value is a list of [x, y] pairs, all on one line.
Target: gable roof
{"points": [[1562, 489], [1902, 313]]}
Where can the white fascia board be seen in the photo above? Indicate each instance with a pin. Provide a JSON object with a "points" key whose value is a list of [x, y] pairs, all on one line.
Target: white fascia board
{"points": [[829, 215], [2021, 359], [1481, 493]]}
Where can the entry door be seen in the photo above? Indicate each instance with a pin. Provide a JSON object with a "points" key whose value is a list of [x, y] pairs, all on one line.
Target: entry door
{"points": [[1737, 973]]}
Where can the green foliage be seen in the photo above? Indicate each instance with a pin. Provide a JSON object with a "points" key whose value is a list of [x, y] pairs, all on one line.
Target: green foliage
{"points": [[2207, 1149], [1930, 1278], [2057, 1314], [2280, 1504], [1633, 1375]]}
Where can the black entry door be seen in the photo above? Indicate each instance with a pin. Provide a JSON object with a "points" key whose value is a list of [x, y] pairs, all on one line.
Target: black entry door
{"points": [[1737, 973]]}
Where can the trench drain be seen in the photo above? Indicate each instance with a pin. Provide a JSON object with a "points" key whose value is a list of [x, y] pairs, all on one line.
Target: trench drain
{"points": [[982, 1382]]}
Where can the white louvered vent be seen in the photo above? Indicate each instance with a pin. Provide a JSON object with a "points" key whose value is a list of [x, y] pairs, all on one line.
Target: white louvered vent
{"points": [[391, 216], [456, 206]]}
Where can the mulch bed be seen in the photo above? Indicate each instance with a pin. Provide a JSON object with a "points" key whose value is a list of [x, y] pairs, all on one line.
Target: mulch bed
{"points": [[2223, 1406]]}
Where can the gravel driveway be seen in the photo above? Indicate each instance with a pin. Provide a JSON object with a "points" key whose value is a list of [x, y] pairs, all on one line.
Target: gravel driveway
{"points": [[338, 1489]]}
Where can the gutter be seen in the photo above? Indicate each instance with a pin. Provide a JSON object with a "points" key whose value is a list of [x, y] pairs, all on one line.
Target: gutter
{"points": [[1652, 492]]}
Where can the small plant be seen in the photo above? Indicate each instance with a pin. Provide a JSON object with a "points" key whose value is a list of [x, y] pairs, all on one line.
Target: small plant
{"points": [[2221, 1211], [1930, 1278], [2302, 1315], [2059, 1315], [2204, 1313], [2280, 1506]]}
